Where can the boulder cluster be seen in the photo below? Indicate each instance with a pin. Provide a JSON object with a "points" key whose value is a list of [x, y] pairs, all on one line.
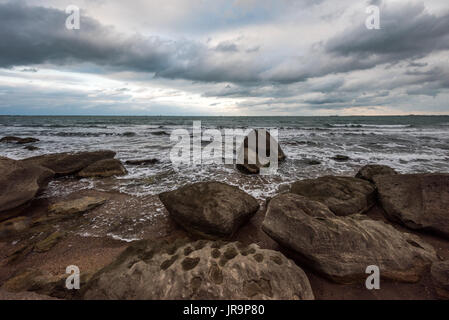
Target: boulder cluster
{"points": [[319, 224]]}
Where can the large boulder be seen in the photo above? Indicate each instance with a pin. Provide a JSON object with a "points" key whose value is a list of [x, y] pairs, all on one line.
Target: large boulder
{"points": [[250, 159], [341, 248], [103, 168], [419, 201], [343, 195], [210, 209], [69, 163], [369, 171], [199, 270], [440, 278], [20, 182]]}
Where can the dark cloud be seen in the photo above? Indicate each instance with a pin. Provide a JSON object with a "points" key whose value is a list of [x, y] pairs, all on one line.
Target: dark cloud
{"points": [[262, 74], [407, 31]]}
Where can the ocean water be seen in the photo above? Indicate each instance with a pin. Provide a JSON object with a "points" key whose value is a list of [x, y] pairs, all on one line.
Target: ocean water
{"points": [[408, 144]]}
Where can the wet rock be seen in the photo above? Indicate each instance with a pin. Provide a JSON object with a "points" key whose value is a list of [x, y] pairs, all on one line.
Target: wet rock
{"points": [[20, 182], [142, 162], [340, 158], [76, 206], [69, 163], [250, 159], [43, 283], [418, 201], [13, 226], [312, 162], [341, 248], [343, 195], [199, 270], [368, 172], [440, 278], [31, 148], [26, 295], [49, 242], [210, 209], [18, 140], [103, 168], [160, 133]]}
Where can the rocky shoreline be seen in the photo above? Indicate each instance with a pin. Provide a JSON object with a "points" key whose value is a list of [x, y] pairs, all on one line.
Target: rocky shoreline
{"points": [[313, 240]]}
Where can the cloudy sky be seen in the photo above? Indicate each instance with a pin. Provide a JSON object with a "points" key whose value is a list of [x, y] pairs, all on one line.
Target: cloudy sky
{"points": [[224, 57]]}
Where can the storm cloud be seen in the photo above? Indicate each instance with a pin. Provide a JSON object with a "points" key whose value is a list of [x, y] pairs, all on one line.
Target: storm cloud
{"points": [[344, 65]]}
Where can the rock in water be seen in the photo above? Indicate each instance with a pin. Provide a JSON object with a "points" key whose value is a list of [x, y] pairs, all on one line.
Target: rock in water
{"points": [[140, 162], [69, 163], [20, 182], [72, 207], [103, 168], [340, 157], [210, 209], [343, 195], [18, 140], [369, 171], [341, 248], [199, 270], [419, 201], [250, 159], [440, 277]]}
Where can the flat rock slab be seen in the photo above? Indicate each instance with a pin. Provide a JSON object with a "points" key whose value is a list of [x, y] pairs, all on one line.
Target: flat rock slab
{"points": [[25, 295], [210, 209], [369, 171], [76, 206], [199, 270], [343, 195], [103, 168], [440, 277], [341, 248], [50, 241], [69, 163], [418, 201], [20, 182]]}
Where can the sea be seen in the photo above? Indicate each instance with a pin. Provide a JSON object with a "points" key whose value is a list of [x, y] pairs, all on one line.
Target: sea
{"points": [[406, 143]]}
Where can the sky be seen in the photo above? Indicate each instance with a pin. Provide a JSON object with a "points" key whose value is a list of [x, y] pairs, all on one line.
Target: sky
{"points": [[224, 58]]}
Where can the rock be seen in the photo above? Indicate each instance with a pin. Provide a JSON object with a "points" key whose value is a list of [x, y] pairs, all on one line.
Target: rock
{"points": [[440, 278], [210, 209], [312, 162], [368, 172], [18, 140], [199, 270], [49, 242], [418, 201], [250, 159], [13, 226], [341, 248], [142, 162], [340, 158], [20, 182], [103, 168], [69, 163], [26, 295], [343, 195], [160, 133], [76, 206], [31, 148], [43, 283]]}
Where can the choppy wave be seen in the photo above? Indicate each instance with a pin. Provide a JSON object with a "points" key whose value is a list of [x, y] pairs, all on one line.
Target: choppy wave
{"points": [[408, 144]]}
